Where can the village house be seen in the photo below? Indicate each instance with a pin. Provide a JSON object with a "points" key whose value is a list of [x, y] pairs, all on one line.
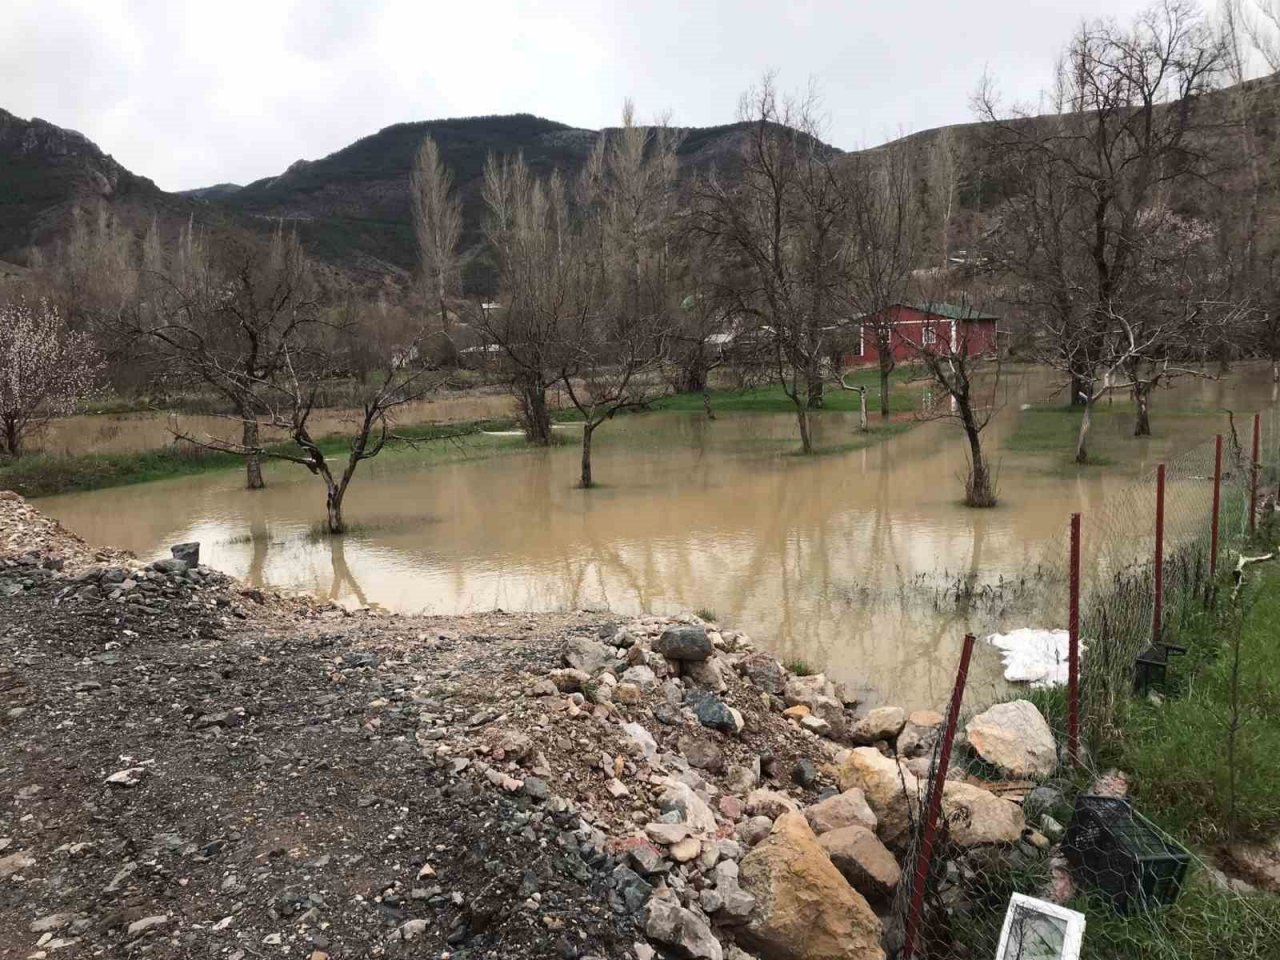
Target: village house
{"points": [[962, 328]]}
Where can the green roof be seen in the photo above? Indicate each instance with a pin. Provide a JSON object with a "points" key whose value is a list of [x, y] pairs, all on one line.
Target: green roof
{"points": [[952, 311]]}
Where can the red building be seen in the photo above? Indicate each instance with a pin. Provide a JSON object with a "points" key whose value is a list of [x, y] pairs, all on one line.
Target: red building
{"points": [[944, 325]]}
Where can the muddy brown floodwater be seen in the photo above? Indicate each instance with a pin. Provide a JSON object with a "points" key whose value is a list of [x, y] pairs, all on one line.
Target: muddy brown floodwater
{"points": [[842, 561]]}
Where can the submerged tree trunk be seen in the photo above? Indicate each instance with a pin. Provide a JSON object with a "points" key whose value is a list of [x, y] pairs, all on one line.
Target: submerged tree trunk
{"points": [[806, 440], [252, 463], [979, 491], [333, 508], [588, 429], [1082, 448], [862, 410], [886, 368], [706, 403], [535, 417], [1142, 415]]}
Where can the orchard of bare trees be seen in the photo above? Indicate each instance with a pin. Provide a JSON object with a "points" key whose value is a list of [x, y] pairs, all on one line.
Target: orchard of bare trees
{"points": [[1123, 228]]}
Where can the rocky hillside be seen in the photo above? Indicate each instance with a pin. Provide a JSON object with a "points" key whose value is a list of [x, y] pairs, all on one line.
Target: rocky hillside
{"points": [[47, 170], [353, 205]]}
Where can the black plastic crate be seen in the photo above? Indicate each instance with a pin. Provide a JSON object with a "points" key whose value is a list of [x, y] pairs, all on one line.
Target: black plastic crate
{"points": [[1123, 856]]}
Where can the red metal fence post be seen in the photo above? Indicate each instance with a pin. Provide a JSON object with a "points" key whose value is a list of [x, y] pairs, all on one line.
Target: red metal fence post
{"points": [[1253, 473], [1073, 650], [933, 808], [1217, 501], [1157, 612]]}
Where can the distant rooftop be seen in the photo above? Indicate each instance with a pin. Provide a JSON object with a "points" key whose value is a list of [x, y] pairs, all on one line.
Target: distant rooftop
{"points": [[952, 311]]}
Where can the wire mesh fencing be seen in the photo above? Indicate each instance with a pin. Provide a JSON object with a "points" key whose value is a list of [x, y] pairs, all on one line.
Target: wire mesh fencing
{"points": [[1131, 578]]}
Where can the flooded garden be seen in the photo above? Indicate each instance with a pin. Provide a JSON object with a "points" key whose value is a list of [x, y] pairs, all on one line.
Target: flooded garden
{"points": [[860, 562]]}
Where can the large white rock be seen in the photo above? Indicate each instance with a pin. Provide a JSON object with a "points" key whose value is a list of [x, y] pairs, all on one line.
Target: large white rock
{"points": [[1015, 738], [694, 811]]}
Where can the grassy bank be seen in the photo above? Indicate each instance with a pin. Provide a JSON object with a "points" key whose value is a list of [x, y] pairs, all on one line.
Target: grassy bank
{"points": [[1054, 430], [40, 475], [1179, 749]]}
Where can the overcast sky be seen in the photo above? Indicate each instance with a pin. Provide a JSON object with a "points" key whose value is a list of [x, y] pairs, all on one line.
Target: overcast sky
{"points": [[195, 93]]}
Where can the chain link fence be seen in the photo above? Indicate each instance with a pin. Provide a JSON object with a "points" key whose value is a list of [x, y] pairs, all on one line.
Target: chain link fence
{"points": [[1153, 559]]}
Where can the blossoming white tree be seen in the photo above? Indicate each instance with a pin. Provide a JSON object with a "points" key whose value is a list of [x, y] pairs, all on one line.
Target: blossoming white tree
{"points": [[45, 370]]}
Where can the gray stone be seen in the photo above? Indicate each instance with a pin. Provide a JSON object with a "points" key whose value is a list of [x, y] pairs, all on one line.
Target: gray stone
{"points": [[668, 923], [145, 924], [536, 788], [632, 887], [741, 779], [711, 711], [842, 810], [707, 674], [753, 830], [587, 655], [169, 565], [882, 723], [701, 752], [804, 773], [920, 734], [765, 672], [641, 676], [188, 553], [684, 643]]}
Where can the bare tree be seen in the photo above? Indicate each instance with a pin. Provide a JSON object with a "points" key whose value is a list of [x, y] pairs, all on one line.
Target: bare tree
{"points": [[45, 370], [437, 221], [1262, 22], [529, 232], [780, 231], [234, 325], [947, 161], [1088, 188], [288, 400], [884, 231], [972, 383], [616, 338]]}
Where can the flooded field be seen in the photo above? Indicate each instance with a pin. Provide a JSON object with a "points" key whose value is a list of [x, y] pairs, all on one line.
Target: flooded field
{"points": [[148, 430], [847, 561]]}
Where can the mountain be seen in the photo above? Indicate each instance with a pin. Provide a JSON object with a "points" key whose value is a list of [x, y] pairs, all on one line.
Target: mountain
{"points": [[219, 191], [353, 205], [46, 171]]}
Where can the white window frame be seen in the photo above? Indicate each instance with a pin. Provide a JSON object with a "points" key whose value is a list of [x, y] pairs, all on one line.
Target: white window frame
{"points": [[1073, 939], [928, 335]]}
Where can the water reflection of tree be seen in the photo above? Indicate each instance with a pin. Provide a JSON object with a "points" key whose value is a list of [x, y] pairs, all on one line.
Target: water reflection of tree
{"points": [[260, 546], [342, 575]]}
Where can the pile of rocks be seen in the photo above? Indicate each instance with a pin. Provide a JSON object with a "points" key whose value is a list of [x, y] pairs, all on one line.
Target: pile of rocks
{"points": [[746, 807]]}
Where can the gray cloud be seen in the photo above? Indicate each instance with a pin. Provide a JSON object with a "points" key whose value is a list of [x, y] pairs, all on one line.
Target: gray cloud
{"points": [[195, 93]]}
